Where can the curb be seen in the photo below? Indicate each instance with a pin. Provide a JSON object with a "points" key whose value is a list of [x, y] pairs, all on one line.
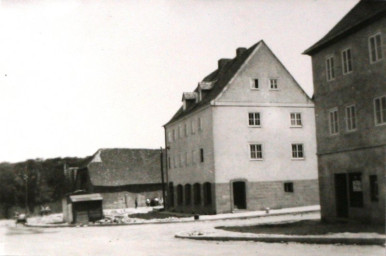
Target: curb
{"points": [[169, 222], [298, 239]]}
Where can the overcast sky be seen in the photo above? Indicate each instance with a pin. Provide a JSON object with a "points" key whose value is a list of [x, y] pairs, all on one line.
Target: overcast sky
{"points": [[76, 76]]}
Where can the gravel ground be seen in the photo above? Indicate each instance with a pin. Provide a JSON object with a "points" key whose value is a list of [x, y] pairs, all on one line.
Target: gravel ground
{"points": [[157, 240]]}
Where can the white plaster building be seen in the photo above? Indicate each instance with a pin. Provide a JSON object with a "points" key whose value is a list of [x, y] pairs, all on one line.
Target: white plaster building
{"points": [[244, 139]]}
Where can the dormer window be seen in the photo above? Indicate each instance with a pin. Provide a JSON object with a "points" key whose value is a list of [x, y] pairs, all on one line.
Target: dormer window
{"points": [[188, 99]]}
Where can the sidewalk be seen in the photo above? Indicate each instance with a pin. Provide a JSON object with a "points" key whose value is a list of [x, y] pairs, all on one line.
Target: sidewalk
{"points": [[185, 218], [342, 238]]}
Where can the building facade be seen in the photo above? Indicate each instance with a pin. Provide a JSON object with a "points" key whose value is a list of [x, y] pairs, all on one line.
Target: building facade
{"points": [[350, 106], [124, 177], [244, 139]]}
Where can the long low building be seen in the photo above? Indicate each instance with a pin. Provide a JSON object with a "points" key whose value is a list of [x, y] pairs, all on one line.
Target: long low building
{"points": [[244, 139], [122, 176]]}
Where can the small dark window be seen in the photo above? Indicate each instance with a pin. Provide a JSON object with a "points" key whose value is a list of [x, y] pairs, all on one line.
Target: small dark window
{"points": [[288, 187], [374, 194], [255, 83], [201, 155], [356, 192]]}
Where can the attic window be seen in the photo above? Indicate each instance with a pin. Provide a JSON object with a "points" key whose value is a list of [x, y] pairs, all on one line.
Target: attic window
{"points": [[273, 84], [255, 84]]}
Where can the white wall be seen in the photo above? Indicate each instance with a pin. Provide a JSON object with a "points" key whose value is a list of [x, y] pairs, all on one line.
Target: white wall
{"points": [[232, 137]]}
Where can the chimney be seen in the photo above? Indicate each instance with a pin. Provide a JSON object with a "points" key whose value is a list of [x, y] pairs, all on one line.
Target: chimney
{"points": [[240, 51], [222, 63]]}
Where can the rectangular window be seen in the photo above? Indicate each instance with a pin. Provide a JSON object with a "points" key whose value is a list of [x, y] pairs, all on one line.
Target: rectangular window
{"points": [[351, 124], [375, 48], [254, 119], [169, 163], [333, 121], [296, 119], [199, 124], [186, 159], [330, 68], [174, 135], [169, 137], [255, 84], [297, 151], [346, 61], [289, 187], [273, 84], [192, 127], [175, 161], [355, 189], [380, 110], [179, 131], [186, 130], [374, 193], [256, 151], [201, 155]]}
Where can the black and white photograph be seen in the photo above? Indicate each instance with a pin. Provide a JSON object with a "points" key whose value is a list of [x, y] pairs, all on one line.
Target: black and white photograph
{"points": [[193, 127]]}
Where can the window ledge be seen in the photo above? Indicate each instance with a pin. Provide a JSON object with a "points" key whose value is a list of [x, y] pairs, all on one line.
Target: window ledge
{"points": [[351, 131], [274, 89], [347, 73], [254, 126], [381, 124], [298, 159], [252, 159], [255, 89], [377, 61], [296, 126]]}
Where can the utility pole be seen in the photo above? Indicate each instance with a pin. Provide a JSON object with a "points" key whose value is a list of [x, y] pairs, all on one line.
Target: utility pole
{"points": [[162, 177], [25, 177]]}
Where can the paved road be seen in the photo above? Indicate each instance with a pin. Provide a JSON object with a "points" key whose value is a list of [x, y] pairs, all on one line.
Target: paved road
{"points": [[154, 240]]}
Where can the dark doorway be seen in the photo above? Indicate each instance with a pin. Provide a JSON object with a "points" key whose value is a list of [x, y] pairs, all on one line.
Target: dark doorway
{"points": [[341, 197], [239, 195]]}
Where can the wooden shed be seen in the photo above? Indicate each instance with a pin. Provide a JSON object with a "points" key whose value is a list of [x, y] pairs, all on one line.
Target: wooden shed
{"points": [[82, 208]]}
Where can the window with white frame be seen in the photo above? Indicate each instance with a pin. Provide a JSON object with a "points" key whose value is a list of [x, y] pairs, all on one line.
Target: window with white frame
{"points": [[256, 151], [333, 121], [380, 110], [375, 48], [255, 84], [330, 68], [351, 122], [346, 61], [296, 119], [254, 119], [297, 151], [169, 136], [273, 84], [199, 124]]}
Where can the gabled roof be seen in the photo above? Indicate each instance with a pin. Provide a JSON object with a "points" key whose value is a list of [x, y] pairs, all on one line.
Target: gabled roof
{"points": [[365, 12], [122, 166], [220, 79]]}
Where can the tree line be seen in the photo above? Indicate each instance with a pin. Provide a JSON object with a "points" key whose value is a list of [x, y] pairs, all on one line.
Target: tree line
{"points": [[33, 182]]}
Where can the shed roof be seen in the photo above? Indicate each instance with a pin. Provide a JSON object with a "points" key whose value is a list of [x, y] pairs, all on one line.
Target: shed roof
{"points": [[123, 166], [86, 197], [361, 14]]}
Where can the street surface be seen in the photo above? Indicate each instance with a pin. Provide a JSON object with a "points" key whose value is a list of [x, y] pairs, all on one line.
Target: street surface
{"points": [[156, 239]]}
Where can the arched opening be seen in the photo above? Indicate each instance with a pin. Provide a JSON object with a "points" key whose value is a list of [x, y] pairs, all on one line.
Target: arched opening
{"points": [[197, 193], [188, 194], [239, 195], [171, 194], [179, 195], [207, 193]]}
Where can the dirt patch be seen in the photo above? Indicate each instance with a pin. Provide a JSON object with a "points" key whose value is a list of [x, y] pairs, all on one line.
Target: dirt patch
{"points": [[307, 227], [154, 215]]}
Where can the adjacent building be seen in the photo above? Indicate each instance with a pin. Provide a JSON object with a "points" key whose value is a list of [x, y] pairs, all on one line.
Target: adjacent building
{"points": [[121, 176], [349, 71], [243, 139]]}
